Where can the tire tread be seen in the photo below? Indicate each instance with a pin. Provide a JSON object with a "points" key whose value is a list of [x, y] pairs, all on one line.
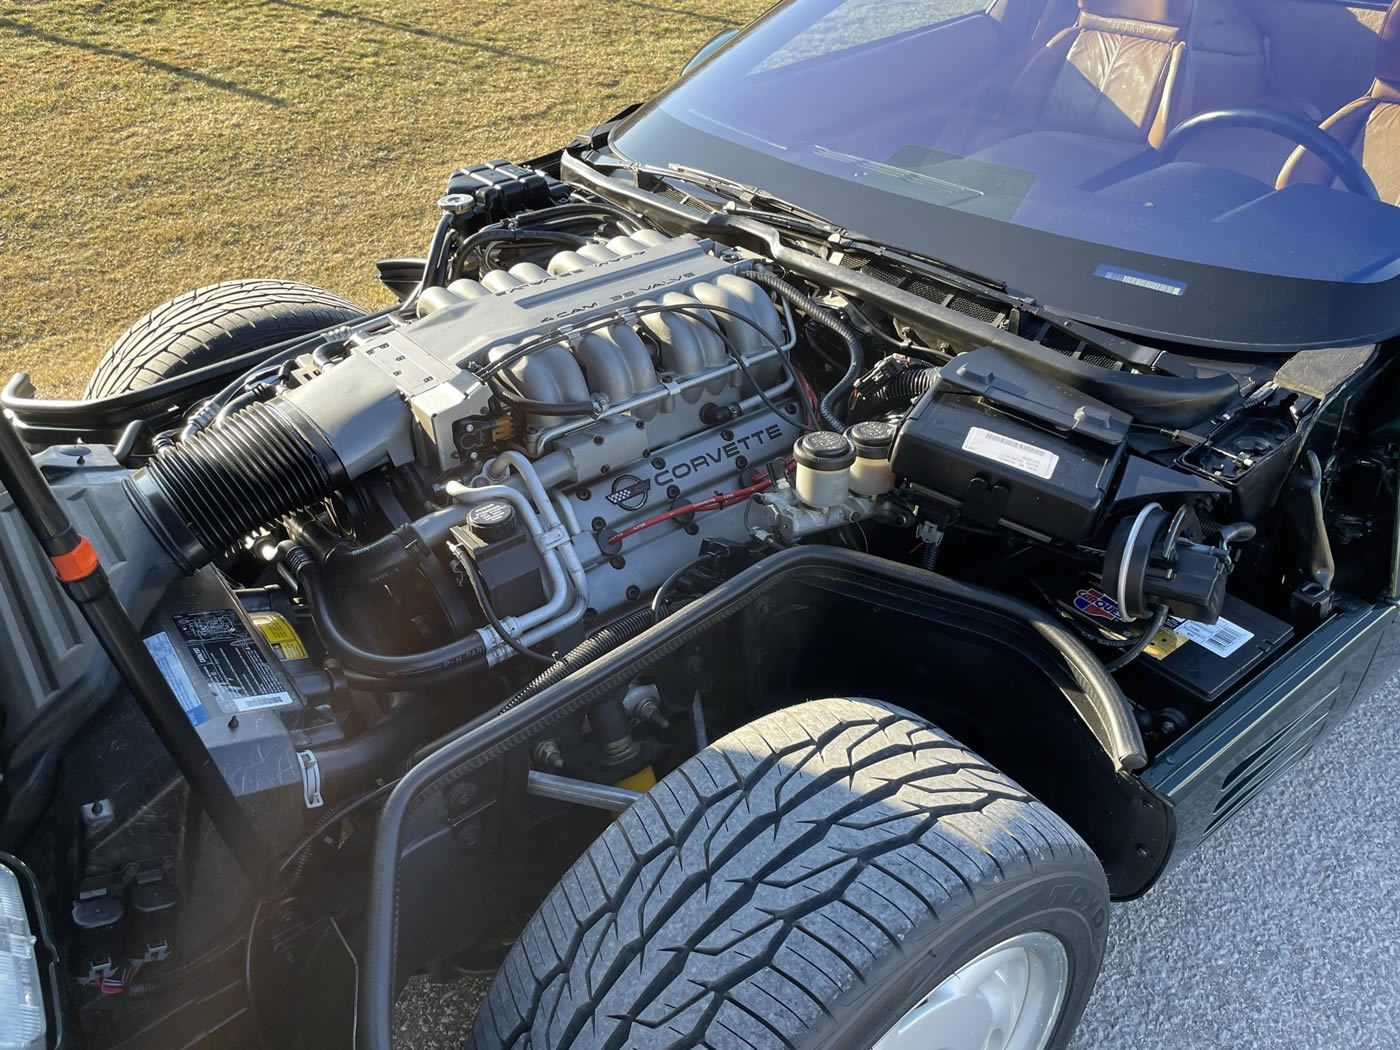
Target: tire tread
{"points": [[762, 879], [203, 325]]}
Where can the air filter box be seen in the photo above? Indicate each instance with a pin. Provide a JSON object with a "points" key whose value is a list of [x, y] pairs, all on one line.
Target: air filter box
{"points": [[1009, 446]]}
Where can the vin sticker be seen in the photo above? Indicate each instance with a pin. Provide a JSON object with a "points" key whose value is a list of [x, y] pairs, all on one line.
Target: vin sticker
{"points": [[1153, 282], [235, 670], [1010, 452], [158, 645], [1223, 638]]}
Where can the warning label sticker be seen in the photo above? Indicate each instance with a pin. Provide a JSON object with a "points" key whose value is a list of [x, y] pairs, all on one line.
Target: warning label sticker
{"points": [[160, 647], [237, 675], [1222, 638], [1010, 452]]}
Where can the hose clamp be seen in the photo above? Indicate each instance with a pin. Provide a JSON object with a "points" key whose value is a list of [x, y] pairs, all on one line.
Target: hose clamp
{"points": [[497, 650], [310, 779], [553, 538]]}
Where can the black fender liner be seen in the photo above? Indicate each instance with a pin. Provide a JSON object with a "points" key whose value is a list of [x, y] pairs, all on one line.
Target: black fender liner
{"points": [[1097, 701]]}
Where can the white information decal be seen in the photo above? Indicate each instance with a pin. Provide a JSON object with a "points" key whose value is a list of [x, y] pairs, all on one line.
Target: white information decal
{"points": [[1222, 637], [1008, 451]]}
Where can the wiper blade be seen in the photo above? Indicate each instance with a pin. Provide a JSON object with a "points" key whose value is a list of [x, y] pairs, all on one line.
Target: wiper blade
{"points": [[723, 186]]}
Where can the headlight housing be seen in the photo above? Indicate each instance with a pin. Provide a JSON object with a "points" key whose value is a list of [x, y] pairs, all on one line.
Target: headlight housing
{"points": [[25, 958]]}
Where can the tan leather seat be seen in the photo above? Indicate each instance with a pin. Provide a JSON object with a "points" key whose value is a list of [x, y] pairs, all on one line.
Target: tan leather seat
{"points": [[1115, 73], [1127, 70], [1369, 127]]}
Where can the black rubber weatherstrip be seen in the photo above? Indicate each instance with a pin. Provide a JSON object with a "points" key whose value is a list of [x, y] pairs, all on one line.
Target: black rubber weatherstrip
{"points": [[1099, 702]]}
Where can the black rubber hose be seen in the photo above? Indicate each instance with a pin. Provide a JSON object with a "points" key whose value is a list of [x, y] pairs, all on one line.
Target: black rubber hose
{"points": [[203, 495], [835, 397], [126, 444], [432, 265], [895, 392], [351, 767], [579, 210], [401, 549], [1142, 641], [547, 408], [394, 671]]}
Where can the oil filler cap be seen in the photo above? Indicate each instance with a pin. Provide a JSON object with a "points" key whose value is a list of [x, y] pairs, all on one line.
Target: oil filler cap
{"points": [[491, 521]]}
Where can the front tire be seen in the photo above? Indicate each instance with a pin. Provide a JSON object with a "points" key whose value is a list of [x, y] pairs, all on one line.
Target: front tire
{"points": [[212, 324], [806, 882]]}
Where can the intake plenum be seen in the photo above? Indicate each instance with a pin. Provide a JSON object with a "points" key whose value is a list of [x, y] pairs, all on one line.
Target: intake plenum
{"points": [[201, 496]]}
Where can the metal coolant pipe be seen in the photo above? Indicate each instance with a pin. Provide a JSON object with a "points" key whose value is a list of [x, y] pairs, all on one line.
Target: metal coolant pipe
{"points": [[556, 582]]}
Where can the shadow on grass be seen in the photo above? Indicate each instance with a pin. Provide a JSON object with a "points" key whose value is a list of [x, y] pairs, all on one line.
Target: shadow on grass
{"points": [[351, 16], [35, 33], [665, 9]]}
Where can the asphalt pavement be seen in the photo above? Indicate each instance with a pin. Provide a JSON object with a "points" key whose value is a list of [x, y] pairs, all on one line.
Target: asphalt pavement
{"points": [[1281, 933]]}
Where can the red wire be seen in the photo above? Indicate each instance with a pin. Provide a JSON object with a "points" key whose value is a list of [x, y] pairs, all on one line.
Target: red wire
{"points": [[118, 986], [718, 501]]}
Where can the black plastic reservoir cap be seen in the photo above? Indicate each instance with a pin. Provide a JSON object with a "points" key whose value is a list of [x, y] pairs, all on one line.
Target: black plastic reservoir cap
{"points": [[872, 439], [824, 450], [491, 521]]}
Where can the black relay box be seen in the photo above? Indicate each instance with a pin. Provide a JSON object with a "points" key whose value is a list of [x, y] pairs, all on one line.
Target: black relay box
{"points": [[1011, 447]]}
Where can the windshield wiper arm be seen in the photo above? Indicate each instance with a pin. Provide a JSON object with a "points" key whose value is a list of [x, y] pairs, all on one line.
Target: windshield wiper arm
{"points": [[723, 186]]}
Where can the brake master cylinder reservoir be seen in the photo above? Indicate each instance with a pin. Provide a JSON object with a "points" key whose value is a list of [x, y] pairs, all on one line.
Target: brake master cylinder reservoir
{"points": [[870, 473], [824, 461]]}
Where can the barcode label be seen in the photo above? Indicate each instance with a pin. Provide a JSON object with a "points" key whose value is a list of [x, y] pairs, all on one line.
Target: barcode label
{"points": [[1151, 281], [1222, 638], [1008, 451], [257, 703]]}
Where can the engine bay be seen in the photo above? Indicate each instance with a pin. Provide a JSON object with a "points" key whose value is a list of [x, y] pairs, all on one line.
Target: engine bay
{"points": [[569, 424]]}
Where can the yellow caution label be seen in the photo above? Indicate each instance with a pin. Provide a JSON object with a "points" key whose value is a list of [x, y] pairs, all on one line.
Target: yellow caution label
{"points": [[1164, 643], [643, 780], [280, 634]]}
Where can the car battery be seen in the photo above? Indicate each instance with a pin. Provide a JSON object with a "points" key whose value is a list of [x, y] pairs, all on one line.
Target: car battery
{"points": [[1185, 657], [1206, 660]]}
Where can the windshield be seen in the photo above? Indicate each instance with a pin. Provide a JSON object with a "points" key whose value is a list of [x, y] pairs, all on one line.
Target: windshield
{"points": [[1060, 147]]}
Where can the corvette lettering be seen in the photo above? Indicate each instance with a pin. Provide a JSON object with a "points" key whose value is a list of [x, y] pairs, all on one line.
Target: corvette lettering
{"points": [[742, 445]]}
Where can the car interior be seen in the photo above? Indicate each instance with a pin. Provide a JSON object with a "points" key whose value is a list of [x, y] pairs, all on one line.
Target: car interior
{"points": [[1205, 130]]}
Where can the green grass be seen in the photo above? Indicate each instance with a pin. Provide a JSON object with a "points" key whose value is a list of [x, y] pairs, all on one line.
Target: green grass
{"points": [[152, 147]]}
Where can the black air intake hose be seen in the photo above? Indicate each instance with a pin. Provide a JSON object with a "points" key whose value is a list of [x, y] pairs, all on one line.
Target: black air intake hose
{"points": [[835, 397], [202, 495]]}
